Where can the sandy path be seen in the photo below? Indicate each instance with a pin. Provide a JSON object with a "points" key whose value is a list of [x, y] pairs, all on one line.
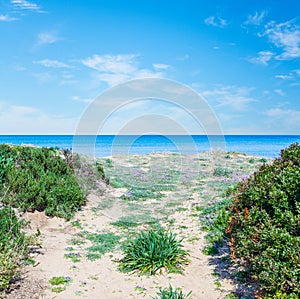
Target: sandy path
{"points": [[100, 278]]}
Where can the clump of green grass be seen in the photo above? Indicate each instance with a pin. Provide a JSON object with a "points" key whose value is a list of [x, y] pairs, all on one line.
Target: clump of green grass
{"points": [[170, 293], [101, 244], [152, 251]]}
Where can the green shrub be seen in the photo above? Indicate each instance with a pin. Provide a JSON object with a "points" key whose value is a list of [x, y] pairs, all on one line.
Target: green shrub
{"points": [[251, 160], [39, 179], [170, 293], [153, 250], [13, 246], [265, 225]]}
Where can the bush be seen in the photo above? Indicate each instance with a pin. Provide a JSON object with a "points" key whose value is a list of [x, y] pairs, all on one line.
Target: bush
{"points": [[170, 293], [265, 225], [13, 246], [39, 179], [153, 250]]}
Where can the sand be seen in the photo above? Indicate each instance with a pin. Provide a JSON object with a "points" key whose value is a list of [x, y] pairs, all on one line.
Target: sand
{"points": [[100, 278]]}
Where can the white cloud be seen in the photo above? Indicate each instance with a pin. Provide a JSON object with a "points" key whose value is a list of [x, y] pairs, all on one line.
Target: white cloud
{"points": [[51, 63], [31, 120], [47, 38], [285, 36], [286, 117], [215, 21], [263, 57], [26, 5], [280, 92], [160, 66], [82, 100], [114, 69], [255, 19], [123, 64], [297, 72], [6, 18], [184, 57], [236, 98], [284, 77]]}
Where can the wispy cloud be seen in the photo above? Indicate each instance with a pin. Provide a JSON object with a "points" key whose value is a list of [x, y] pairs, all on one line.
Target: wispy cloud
{"points": [[32, 120], [284, 77], [160, 66], [184, 57], [52, 63], [6, 18], [112, 63], [285, 36], [114, 69], [286, 117], [291, 75], [297, 72], [26, 5], [280, 92], [82, 100], [255, 19], [263, 57], [215, 21], [236, 98], [47, 38]]}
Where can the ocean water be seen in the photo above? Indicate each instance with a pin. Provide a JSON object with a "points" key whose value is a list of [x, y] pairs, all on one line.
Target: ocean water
{"points": [[107, 145]]}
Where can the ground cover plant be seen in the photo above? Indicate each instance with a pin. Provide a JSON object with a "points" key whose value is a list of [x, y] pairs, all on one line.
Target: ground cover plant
{"points": [[101, 244], [152, 251], [39, 179], [171, 293]]}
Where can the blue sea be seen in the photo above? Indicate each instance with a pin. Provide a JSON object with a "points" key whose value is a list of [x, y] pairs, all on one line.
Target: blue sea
{"points": [[107, 145]]}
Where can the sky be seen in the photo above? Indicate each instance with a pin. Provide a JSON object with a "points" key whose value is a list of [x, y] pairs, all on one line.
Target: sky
{"points": [[241, 57]]}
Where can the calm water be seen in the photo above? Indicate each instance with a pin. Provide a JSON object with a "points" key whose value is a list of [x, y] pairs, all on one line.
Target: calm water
{"points": [[107, 145]]}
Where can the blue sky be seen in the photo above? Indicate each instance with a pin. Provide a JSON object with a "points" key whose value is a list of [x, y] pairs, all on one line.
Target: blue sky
{"points": [[243, 57]]}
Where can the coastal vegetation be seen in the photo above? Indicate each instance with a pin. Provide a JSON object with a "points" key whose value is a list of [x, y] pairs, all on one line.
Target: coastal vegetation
{"points": [[39, 179], [260, 220], [248, 206], [153, 251], [32, 179]]}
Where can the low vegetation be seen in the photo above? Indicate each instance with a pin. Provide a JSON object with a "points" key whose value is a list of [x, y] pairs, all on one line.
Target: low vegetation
{"points": [[14, 246], [152, 251], [39, 179], [170, 293], [33, 179], [261, 223]]}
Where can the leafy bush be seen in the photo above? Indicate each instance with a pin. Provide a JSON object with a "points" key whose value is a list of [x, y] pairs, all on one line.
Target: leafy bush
{"points": [[153, 250], [39, 179], [170, 293], [265, 225], [13, 246]]}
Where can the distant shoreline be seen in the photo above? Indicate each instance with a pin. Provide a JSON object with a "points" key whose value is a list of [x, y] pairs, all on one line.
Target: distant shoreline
{"points": [[108, 145]]}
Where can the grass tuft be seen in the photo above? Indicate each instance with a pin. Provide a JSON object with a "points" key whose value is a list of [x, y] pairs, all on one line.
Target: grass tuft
{"points": [[170, 293], [152, 251]]}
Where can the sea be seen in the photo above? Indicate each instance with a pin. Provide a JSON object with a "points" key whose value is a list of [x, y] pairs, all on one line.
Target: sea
{"points": [[108, 145]]}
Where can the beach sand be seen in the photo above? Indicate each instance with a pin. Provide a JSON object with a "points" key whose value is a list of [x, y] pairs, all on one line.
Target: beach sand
{"points": [[189, 182]]}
